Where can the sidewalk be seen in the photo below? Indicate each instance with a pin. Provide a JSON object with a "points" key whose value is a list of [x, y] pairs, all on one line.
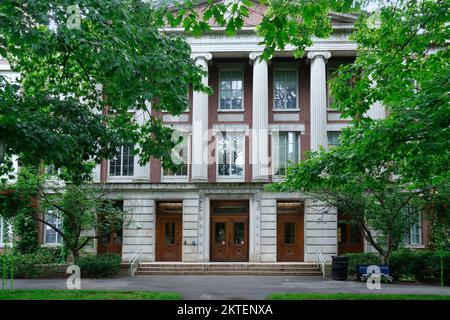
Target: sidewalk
{"points": [[233, 287]]}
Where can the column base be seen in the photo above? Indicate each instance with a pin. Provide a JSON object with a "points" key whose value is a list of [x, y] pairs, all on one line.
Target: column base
{"points": [[260, 179]]}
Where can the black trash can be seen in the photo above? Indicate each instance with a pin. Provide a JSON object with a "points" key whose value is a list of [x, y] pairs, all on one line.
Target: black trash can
{"points": [[339, 268]]}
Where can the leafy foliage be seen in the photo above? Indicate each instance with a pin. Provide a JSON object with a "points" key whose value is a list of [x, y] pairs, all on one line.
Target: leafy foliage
{"points": [[115, 60], [99, 266]]}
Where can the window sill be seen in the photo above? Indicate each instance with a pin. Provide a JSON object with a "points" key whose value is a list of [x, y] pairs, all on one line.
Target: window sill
{"points": [[51, 245], [230, 110], [230, 179], [277, 178], [121, 179], [286, 110], [175, 179], [415, 246]]}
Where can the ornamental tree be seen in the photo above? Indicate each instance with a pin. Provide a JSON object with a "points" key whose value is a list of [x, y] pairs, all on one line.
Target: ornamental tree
{"points": [[85, 212]]}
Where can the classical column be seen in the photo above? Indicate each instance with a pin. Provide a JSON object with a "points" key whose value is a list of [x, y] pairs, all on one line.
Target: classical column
{"points": [[260, 115], [200, 125], [318, 99]]}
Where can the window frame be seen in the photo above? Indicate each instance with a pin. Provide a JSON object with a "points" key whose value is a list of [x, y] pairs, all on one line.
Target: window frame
{"points": [[180, 178], [57, 235], [121, 176], [408, 233], [230, 178], [4, 226], [230, 69], [328, 138], [297, 103], [275, 153]]}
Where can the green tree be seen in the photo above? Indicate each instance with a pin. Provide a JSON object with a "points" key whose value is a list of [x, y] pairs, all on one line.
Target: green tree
{"points": [[115, 60], [383, 166], [86, 212]]}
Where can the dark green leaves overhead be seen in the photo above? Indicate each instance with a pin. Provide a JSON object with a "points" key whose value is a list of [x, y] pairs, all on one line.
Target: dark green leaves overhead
{"points": [[116, 59]]}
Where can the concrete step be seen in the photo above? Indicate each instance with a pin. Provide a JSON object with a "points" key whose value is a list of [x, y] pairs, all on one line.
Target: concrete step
{"points": [[232, 273], [270, 269], [230, 267]]}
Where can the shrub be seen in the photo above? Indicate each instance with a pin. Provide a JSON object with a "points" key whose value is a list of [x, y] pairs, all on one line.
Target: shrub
{"points": [[423, 266], [25, 231], [355, 259], [41, 264], [99, 266]]}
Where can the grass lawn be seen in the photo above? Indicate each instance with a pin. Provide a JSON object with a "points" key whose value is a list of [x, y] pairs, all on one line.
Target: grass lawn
{"points": [[86, 295], [353, 296]]}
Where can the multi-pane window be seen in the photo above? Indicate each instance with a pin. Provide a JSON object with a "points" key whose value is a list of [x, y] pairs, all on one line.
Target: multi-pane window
{"points": [[180, 158], [285, 152], [5, 233], [285, 89], [50, 235], [413, 234], [333, 138], [231, 90], [123, 163], [230, 154]]}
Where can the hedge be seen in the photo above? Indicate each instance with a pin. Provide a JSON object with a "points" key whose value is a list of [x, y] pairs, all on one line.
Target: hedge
{"points": [[44, 263], [99, 266], [423, 266]]}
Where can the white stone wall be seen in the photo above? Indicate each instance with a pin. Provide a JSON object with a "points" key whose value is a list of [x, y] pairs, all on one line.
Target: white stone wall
{"points": [[191, 230], [268, 238], [139, 233], [320, 230], [320, 224]]}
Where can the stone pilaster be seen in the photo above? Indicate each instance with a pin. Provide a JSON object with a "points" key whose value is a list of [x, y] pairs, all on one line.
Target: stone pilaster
{"points": [[260, 115], [318, 99], [200, 125]]}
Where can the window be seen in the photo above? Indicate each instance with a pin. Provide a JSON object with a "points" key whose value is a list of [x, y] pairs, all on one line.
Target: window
{"points": [[50, 235], [331, 69], [231, 90], [180, 158], [5, 233], [286, 151], [285, 89], [333, 138], [123, 163], [413, 233], [231, 154]]}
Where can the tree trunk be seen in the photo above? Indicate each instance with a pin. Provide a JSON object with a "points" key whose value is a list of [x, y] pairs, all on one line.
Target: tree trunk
{"points": [[76, 256]]}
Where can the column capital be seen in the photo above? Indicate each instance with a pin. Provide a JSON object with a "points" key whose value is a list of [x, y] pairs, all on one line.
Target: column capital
{"points": [[254, 55], [314, 54], [202, 55]]}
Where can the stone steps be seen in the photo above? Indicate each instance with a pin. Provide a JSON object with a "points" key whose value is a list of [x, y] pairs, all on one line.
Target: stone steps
{"points": [[273, 269]]}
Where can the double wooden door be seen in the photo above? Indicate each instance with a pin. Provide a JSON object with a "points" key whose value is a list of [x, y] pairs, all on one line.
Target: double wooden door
{"points": [[229, 231]]}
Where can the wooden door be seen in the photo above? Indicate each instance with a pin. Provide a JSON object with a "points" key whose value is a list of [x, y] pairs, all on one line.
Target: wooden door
{"points": [[111, 243], [168, 236], [350, 239], [238, 239], [290, 235], [229, 231], [229, 238]]}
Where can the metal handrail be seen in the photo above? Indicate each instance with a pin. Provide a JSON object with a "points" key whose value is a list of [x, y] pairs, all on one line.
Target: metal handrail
{"points": [[132, 261], [321, 262]]}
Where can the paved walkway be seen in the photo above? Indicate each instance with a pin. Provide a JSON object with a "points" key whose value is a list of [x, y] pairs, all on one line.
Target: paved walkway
{"points": [[232, 287]]}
